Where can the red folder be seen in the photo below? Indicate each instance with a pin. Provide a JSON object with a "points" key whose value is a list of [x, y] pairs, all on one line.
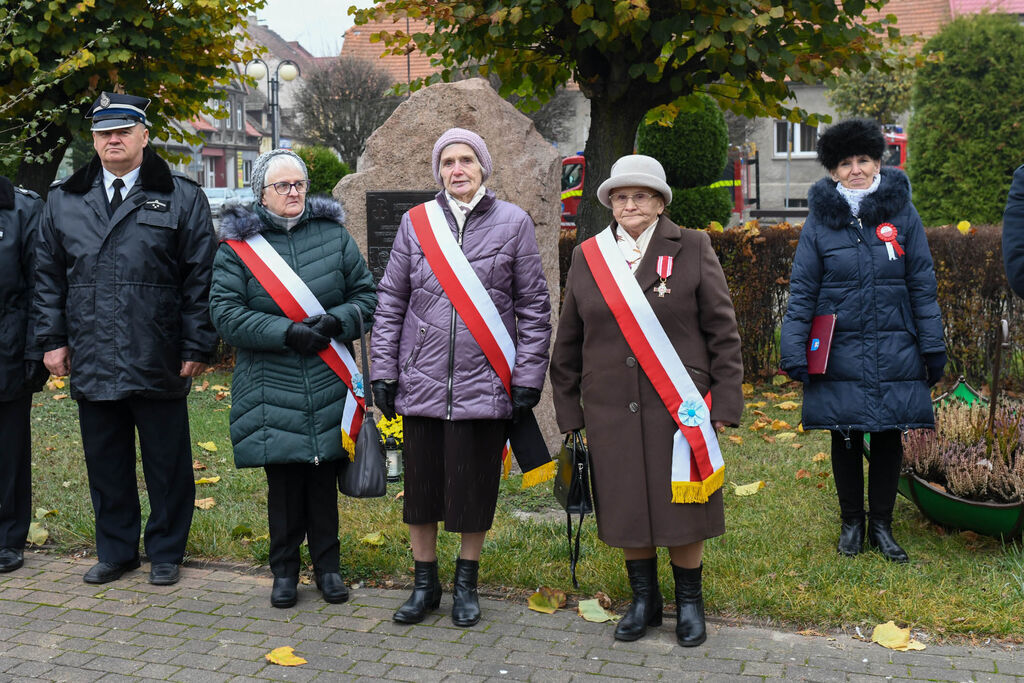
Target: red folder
{"points": [[819, 342]]}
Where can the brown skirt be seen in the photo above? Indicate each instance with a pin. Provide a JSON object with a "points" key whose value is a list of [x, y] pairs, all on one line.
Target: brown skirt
{"points": [[452, 471]]}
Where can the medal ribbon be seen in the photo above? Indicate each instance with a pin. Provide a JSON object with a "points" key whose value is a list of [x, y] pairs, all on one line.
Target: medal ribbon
{"points": [[697, 464], [298, 302], [664, 267], [887, 233]]}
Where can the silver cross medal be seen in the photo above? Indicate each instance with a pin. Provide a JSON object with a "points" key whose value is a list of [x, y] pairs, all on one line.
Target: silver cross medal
{"points": [[662, 290]]}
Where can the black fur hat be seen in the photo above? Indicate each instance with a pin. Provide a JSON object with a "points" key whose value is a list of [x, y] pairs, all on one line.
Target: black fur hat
{"points": [[849, 138]]}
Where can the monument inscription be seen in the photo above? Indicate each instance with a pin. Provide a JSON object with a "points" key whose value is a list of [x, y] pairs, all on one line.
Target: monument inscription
{"points": [[384, 211]]}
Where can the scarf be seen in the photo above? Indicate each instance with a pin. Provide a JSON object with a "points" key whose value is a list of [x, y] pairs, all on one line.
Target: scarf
{"points": [[854, 197]]}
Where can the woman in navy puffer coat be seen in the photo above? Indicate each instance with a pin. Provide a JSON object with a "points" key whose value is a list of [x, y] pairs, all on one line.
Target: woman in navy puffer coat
{"points": [[887, 348]]}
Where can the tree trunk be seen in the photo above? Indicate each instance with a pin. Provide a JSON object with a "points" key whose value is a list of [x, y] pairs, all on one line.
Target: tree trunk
{"points": [[613, 128], [37, 177]]}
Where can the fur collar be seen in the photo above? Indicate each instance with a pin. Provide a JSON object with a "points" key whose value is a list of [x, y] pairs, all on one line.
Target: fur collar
{"points": [[240, 223], [6, 193], [830, 209], [154, 174]]}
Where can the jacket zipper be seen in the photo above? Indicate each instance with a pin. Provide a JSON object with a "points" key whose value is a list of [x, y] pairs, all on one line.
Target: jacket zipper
{"points": [[451, 340], [305, 375], [416, 350]]}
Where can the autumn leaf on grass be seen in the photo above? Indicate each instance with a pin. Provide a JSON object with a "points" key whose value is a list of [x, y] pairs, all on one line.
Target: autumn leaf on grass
{"points": [[796, 445], [785, 436], [800, 428], [779, 380], [220, 396], [819, 456], [375, 538], [591, 610], [59, 397], [802, 474], [546, 600], [736, 439], [770, 395], [285, 656], [205, 503], [790, 394], [748, 389], [202, 387], [37, 534], [748, 489], [603, 599], [196, 465], [220, 387], [400, 495], [769, 439], [895, 638], [780, 424], [757, 404], [208, 446], [787, 405], [43, 513], [55, 383], [207, 480]]}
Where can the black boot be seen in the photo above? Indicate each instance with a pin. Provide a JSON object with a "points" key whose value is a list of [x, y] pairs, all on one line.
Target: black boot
{"points": [[851, 536], [426, 594], [466, 610], [332, 587], [285, 591], [690, 628], [880, 536], [647, 604]]}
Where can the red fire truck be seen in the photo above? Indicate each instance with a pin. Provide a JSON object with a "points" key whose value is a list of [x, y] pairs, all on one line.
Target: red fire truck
{"points": [[895, 147]]}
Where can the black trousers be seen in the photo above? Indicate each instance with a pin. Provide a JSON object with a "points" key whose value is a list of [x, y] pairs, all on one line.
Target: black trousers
{"points": [[15, 472], [108, 437], [883, 473], [302, 502]]}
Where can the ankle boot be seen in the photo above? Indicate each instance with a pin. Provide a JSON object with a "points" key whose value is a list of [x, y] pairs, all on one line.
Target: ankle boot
{"points": [[647, 604], [880, 536], [332, 587], [690, 628], [285, 592], [426, 594], [466, 610], [851, 536]]}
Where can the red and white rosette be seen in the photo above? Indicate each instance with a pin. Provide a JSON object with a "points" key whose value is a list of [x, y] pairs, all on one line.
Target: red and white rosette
{"points": [[887, 233]]}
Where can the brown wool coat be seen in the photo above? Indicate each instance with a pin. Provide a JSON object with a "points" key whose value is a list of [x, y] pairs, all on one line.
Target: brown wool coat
{"points": [[598, 384]]}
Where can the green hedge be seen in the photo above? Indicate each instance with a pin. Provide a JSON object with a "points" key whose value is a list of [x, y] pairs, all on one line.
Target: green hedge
{"points": [[696, 207], [972, 292], [694, 149], [325, 168]]}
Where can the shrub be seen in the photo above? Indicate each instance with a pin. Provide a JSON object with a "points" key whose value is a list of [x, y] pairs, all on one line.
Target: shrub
{"points": [[325, 168], [693, 150], [965, 135]]}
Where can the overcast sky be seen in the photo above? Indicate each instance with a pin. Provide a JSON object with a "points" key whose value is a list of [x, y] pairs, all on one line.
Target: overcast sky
{"points": [[317, 24]]}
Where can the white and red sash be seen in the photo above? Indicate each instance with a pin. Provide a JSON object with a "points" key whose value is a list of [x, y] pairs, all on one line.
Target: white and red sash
{"points": [[697, 466], [298, 302], [464, 288]]}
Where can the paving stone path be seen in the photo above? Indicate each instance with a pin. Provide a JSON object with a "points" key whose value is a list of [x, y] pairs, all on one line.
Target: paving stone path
{"points": [[217, 624]]}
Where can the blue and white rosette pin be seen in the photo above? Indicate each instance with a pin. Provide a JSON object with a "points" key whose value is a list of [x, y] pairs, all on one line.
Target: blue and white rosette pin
{"points": [[693, 413]]}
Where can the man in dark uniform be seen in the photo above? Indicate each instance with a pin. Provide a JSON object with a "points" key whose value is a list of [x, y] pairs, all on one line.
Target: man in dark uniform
{"points": [[123, 275], [21, 366]]}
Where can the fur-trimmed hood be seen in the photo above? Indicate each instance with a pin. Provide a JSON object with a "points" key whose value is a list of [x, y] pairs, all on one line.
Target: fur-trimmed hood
{"points": [[830, 209], [240, 223], [154, 174]]}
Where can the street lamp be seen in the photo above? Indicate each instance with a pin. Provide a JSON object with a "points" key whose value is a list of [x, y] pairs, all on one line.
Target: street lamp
{"points": [[286, 70]]}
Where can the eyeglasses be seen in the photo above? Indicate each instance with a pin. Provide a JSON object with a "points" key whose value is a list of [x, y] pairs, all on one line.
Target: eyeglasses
{"points": [[284, 188], [639, 198]]}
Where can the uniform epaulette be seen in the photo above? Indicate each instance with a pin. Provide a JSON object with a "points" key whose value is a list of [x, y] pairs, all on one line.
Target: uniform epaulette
{"points": [[27, 192], [59, 181], [183, 176]]}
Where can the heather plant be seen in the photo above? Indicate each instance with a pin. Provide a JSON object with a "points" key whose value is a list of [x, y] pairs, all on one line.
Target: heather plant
{"points": [[967, 458]]}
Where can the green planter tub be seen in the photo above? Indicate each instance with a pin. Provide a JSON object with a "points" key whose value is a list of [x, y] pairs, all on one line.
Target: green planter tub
{"points": [[1002, 520]]}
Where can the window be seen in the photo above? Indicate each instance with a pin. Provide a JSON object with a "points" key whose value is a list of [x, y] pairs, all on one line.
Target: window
{"points": [[229, 123], [239, 117], [247, 171], [805, 138]]}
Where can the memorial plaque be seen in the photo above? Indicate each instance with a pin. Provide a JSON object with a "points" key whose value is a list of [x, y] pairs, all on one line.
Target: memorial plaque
{"points": [[383, 214]]}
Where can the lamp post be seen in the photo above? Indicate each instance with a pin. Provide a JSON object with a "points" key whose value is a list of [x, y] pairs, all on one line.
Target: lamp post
{"points": [[286, 70]]}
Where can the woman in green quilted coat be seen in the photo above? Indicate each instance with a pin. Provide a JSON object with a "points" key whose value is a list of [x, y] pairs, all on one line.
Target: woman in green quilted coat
{"points": [[287, 403]]}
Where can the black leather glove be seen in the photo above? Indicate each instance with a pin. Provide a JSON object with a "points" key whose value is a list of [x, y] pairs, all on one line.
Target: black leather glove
{"points": [[325, 324], [935, 364], [305, 340], [36, 375], [384, 392], [523, 399], [799, 374]]}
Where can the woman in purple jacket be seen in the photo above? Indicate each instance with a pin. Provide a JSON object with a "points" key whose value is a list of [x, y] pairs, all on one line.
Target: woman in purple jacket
{"points": [[428, 366]]}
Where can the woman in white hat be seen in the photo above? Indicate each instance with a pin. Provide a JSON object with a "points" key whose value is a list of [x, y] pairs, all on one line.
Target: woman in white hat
{"points": [[647, 360]]}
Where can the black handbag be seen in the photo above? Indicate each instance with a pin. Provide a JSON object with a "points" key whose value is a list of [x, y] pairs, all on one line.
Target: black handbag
{"points": [[364, 477], [572, 488]]}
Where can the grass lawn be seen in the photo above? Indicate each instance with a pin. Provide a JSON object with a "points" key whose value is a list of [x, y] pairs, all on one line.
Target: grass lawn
{"points": [[776, 562]]}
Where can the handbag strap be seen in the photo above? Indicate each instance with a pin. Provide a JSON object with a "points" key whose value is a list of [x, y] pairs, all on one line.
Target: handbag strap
{"points": [[364, 366], [574, 548]]}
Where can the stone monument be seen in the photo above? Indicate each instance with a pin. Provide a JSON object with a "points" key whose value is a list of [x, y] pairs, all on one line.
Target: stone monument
{"points": [[395, 169]]}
